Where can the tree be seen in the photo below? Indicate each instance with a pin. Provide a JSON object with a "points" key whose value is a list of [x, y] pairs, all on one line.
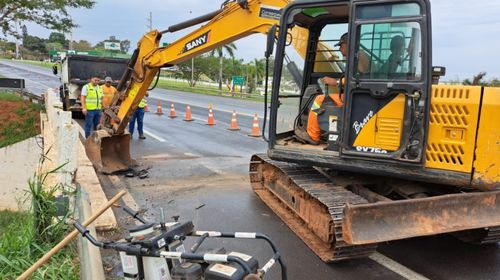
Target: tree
{"points": [[256, 71], [56, 37], [82, 45], [34, 43], [52, 15], [55, 46], [229, 48], [125, 45], [202, 66]]}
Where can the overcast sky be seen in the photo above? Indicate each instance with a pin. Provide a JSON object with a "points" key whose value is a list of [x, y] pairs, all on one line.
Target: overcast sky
{"points": [[466, 34]]}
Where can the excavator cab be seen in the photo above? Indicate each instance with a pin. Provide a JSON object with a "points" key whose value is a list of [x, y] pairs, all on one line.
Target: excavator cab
{"points": [[391, 164], [386, 72]]}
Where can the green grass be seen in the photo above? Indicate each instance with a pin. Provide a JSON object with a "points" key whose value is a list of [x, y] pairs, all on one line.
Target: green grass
{"points": [[20, 247], [21, 127], [26, 236], [206, 90]]}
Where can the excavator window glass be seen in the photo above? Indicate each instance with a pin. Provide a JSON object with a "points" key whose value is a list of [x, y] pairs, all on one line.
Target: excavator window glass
{"points": [[389, 51], [388, 11], [291, 78], [328, 58]]}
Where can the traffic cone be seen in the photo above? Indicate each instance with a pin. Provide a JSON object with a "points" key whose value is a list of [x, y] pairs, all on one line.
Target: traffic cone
{"points": [[188, 117], [159, 110], [255, 127], [172, 114], [234, 123], [146, 108], [210, 120]]}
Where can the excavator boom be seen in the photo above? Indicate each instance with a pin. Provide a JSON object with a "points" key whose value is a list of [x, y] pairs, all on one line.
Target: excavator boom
{"points": [[109, 147]]}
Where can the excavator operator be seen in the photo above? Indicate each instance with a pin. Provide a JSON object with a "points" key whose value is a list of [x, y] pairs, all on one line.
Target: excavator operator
{"points": [[313, 121]]}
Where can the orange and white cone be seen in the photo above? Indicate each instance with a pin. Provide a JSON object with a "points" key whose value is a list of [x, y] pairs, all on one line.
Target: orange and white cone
{"points": [[146, 108], [255, 127], [172, 113], [159, 110], [188, 117], [234, 123], [211, 120]]}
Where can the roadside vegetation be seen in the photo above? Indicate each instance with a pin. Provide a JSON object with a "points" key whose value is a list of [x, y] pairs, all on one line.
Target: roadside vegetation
{"points": [[27, 236], [19, 119]]}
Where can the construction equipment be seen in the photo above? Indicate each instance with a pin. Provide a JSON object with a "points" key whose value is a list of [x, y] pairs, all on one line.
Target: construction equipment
{"points": [[234, 20], [146, 247], [402, 157]]}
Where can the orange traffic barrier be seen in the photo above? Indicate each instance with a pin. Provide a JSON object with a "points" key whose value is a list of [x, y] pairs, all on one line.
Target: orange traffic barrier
{"points": [[159, 110], [172, 112], [234, 123], [146, 108], [255, 127], [188, 117], [211, 120]]}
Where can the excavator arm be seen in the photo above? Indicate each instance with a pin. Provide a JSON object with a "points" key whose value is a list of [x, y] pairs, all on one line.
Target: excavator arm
{"points": [[109, 147]]}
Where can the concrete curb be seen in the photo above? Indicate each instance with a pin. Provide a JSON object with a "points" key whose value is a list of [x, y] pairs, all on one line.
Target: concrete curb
{"points": [[90, 256]]}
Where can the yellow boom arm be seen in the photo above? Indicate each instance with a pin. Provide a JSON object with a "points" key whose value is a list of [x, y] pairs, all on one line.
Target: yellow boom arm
{"points": [[235, 20]]}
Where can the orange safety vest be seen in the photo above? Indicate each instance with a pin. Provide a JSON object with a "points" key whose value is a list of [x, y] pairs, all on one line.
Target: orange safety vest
{"points": [[109, 92], [313, 122]]}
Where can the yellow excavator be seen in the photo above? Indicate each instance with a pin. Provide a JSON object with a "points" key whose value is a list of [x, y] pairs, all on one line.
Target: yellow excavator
{"points": [[402, 157]]}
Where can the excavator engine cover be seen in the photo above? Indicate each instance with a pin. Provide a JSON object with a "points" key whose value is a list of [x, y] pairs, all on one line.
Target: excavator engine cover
{"points": [[109, 153]]}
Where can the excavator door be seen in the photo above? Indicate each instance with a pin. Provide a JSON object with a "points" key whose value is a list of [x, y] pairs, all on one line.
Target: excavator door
{"points": [[388, 81]]}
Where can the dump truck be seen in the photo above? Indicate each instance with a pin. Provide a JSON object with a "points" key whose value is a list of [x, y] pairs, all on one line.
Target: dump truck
{"points": [[76, 71], [400, 156]]}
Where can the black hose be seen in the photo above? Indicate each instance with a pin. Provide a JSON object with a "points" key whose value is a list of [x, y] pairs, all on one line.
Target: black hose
{"points": [[156, 82], [191, 22], [265, 102], [127, 74]]}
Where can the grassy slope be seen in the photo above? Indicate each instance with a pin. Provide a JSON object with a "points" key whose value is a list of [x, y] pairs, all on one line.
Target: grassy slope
{"points": [[19, 119], [19, 249]]}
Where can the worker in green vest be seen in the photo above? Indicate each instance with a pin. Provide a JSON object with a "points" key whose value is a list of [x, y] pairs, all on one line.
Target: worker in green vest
{"points": [[139, 116], [91, 99]]}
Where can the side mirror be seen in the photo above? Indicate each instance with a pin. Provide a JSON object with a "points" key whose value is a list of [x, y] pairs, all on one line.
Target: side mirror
{"points": [[54, 69], [271, 34]]}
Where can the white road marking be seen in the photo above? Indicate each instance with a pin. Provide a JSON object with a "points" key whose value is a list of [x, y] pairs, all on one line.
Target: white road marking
{"points": [[396, 267], [154, 136]]}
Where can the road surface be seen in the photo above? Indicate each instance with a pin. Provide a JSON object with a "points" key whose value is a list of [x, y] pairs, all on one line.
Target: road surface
{"points": [[200, 173]]}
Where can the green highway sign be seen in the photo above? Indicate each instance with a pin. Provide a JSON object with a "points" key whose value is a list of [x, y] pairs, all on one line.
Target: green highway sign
{"points": [[238, 80]]}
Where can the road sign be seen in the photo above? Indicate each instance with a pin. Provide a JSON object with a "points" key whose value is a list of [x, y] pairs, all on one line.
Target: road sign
{"points": [[115, 46], [238, 80]]}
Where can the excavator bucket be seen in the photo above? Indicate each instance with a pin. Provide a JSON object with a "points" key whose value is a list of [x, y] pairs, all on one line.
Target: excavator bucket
{"points": [[109, 153]]}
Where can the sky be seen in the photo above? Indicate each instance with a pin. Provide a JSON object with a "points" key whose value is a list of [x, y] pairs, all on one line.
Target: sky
{"points": [[466, 34]]}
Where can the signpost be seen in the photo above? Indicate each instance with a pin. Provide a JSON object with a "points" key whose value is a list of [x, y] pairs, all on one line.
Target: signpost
{"points": [[238, 80]]}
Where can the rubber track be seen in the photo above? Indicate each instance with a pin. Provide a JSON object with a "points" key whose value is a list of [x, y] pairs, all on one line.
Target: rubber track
{"points": [[325, 192]]}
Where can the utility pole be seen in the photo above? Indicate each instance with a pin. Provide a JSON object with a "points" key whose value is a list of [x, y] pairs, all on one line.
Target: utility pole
{"points": [[192, 71], [150, 21], [17, 40], [70, 40]]}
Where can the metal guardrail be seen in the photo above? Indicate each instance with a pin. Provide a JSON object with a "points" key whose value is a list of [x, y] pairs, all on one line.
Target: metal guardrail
{"points": [[17, 87]]}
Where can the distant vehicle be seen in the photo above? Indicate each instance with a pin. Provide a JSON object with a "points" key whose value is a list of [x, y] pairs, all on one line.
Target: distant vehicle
{"points": [[76, 71]]}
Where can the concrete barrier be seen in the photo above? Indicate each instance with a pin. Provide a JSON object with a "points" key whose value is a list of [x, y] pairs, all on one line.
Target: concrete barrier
{"points": [[66, 152]]}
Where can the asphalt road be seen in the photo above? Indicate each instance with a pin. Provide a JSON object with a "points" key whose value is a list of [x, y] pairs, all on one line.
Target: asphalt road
{"points": [[200, 173]]}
